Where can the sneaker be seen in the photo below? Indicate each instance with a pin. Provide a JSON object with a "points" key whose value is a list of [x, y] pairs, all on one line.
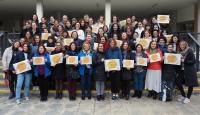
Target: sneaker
{"points": [[186, 100], [113, 97], [18, 102], [181, 98], [27, 98], [117, 96]]}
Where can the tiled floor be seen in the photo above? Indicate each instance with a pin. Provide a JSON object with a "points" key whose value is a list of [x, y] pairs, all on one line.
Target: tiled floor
{"points": [[144, 106]]}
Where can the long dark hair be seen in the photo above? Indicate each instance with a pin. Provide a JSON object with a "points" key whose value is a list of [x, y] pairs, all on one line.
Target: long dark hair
{"points": [[71, 45], [41, 45]]}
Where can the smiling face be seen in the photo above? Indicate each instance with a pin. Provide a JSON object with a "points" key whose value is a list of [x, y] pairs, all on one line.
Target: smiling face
{"points": [[41, 49], [153, 45], [125, 46], [25, 47], [100, 48]]}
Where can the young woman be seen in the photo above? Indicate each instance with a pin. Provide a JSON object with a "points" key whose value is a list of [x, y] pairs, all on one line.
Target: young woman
{"points": [[115, 29], [139, 72], [99, 71], [187, 75], [126, 72], [175, 42], [85, 70], [169, 75], [43, 72], [77, 41], [72, 72], [103, 40], [8, 61], [114, 53], [24, 77], [58, 72], [153, 75]]}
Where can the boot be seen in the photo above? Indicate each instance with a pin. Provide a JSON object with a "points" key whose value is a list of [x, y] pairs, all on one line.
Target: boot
{"points": [[139, 94], [61, 95], [98, 98], [155, 95], [12, 95], [150, 94], [135, 94], [57, 95], [102, 97], [127, 97]]}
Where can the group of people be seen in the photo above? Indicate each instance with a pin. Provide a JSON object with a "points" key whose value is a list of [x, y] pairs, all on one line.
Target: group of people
{"points": [[158, 78]]}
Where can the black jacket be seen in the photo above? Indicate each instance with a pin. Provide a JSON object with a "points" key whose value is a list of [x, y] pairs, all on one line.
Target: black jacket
{"points": [[98, 64]]}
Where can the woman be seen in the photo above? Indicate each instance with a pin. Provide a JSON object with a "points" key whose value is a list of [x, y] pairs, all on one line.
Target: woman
{"points": [[77, 41], [25, 77], [115, 29], [153, 75], [85, 70], [187, 75], [114, 53], [175, 42], [99, 71], [126, 72], [8, 61], [58, 72], [43, 72], [139, 72], [72, 72]]}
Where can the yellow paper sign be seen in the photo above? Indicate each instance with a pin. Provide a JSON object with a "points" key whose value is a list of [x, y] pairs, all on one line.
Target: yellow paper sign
{"points": [[56, 59], [174, 59], [122, 23], [68, 41], [155, 57], [168, 37], [50, 49], [164, 19], [22, 66], [38, 61], [119, 43], [95, 46], [86, 60], [95, 29], [128, 63], [45, 36], [112, 64], [71, 60], [144, 42], [141, 61]]}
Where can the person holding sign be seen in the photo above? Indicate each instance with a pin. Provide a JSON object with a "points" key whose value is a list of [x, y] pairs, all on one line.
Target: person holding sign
{"points": [[72, 72], [25, 77], [153, 75], [126, 71], [8, 61], [114, 53], [43, 72], [58, 72], [99, 71], [139, 72], [187, 75], [85, 69], [169, 76]]}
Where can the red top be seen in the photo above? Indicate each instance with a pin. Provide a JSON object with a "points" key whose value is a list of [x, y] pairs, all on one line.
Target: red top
{"points": [[154, 65]]}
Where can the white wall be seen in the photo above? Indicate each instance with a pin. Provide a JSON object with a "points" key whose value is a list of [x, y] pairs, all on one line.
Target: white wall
{"points": [[185, 14]]}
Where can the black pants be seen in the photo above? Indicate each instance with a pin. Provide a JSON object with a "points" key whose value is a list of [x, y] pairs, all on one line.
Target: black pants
{"points": [[43, 81], [179, 82], [115, 81], [126, 87], [12, 81]]}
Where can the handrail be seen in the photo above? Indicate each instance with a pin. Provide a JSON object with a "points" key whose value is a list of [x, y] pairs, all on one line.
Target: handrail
{"points": [[191, 36]]}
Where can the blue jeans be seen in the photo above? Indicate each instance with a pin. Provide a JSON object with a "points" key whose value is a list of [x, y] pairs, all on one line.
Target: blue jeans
{"points": [[100, 87], [139, 81], [86, 85], [20, 79]]}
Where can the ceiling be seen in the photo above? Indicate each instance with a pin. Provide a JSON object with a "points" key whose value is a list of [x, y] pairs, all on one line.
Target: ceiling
{"points": [[93, 7]]}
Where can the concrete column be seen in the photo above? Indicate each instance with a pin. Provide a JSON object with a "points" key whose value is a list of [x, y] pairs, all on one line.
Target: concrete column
{"points": [[198, 16], [107, 12], [39, 9]]}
